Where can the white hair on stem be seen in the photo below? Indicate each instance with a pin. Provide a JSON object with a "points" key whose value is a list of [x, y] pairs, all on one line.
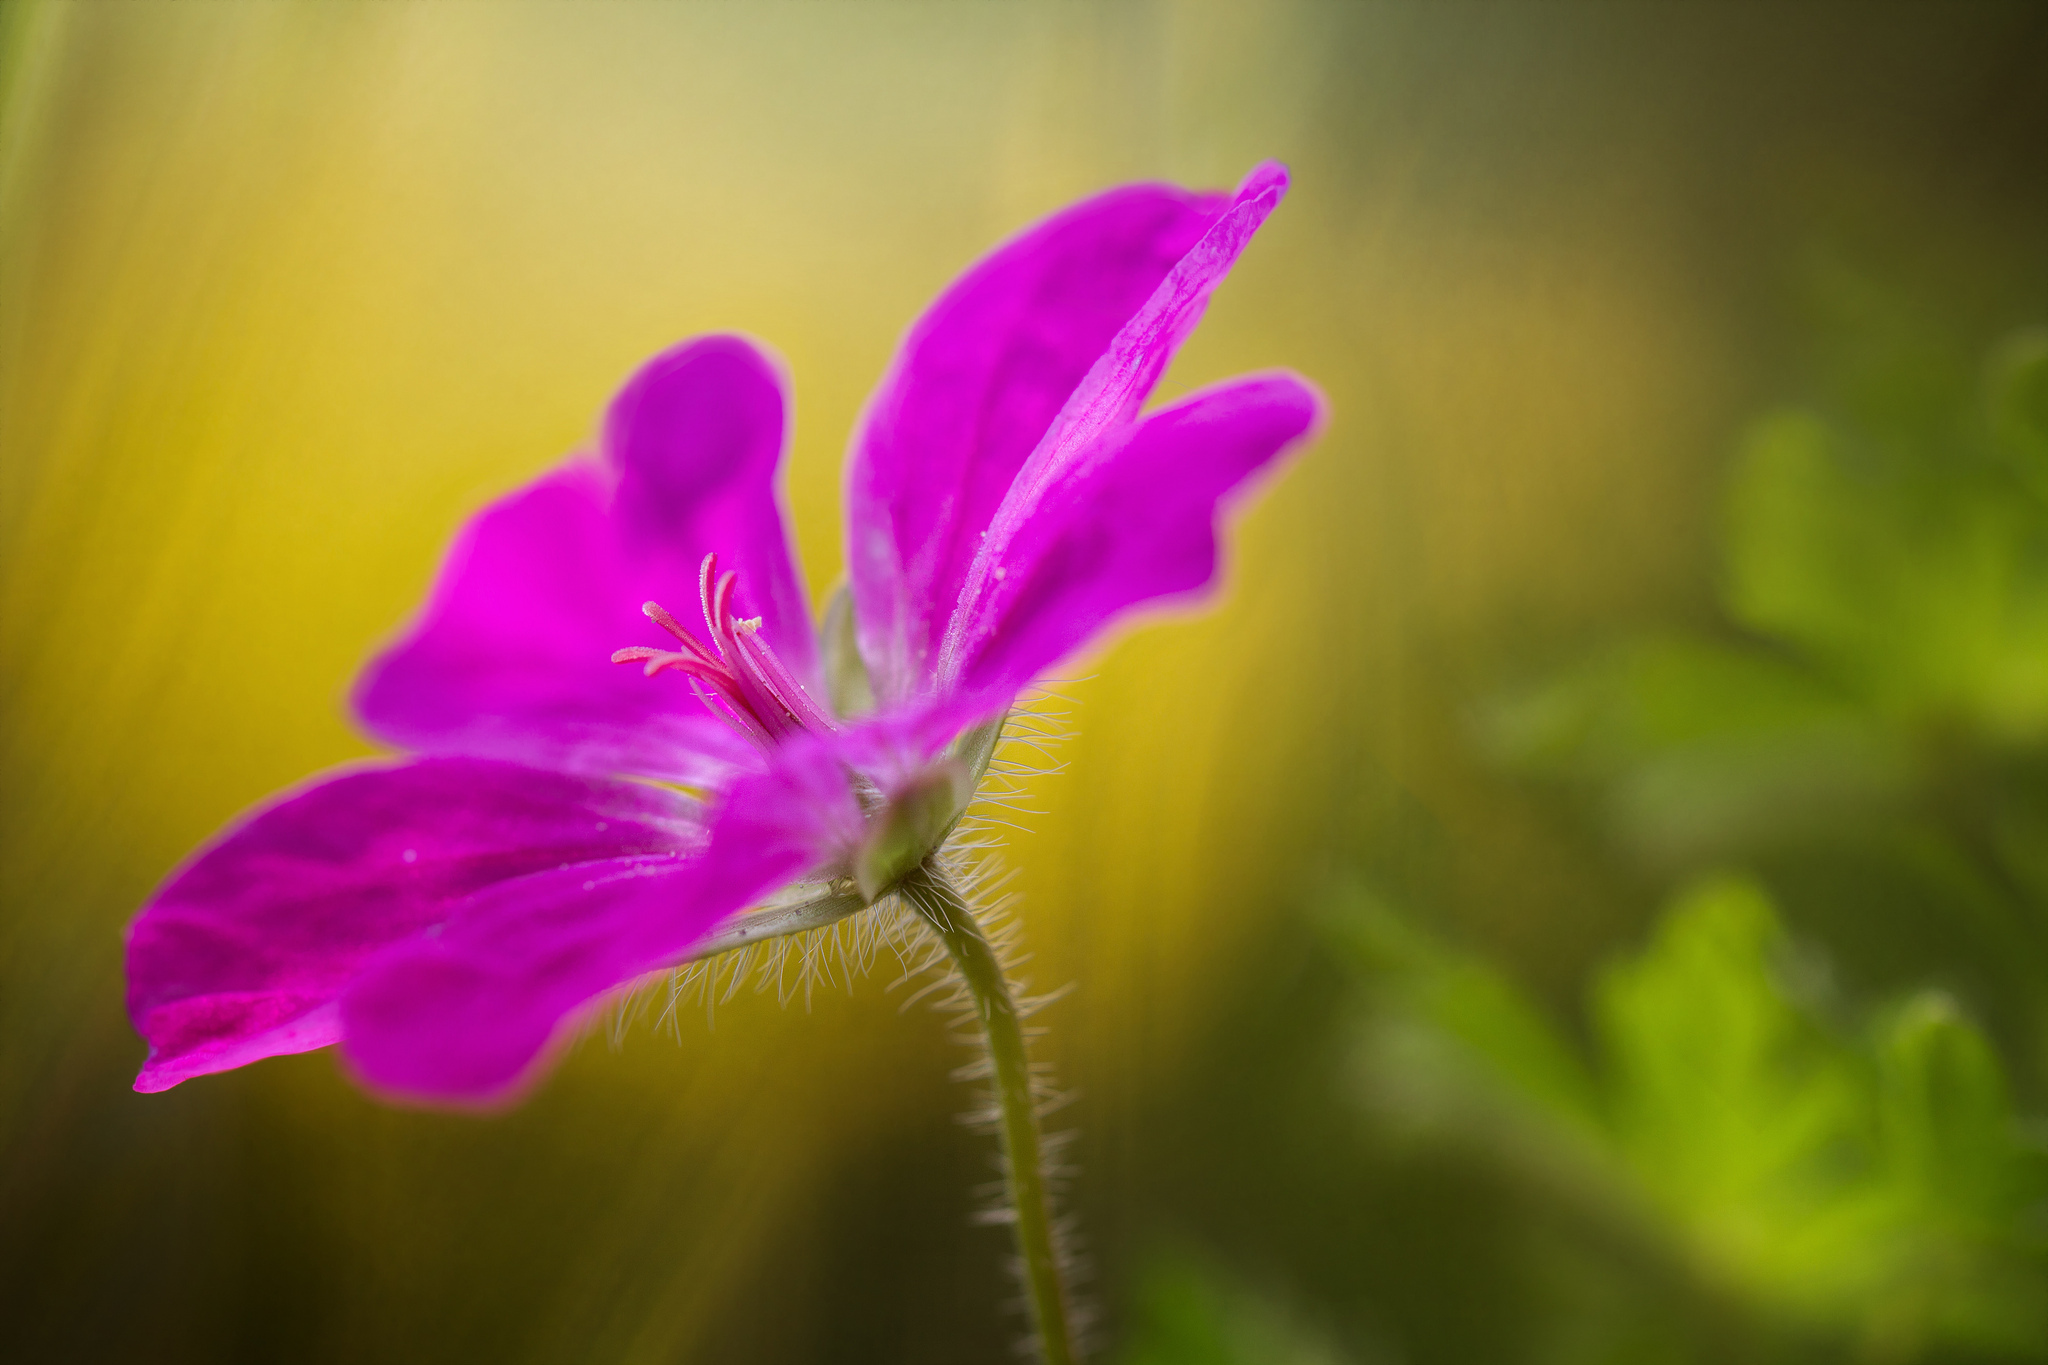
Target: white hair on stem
{"points": [[839, 953]]}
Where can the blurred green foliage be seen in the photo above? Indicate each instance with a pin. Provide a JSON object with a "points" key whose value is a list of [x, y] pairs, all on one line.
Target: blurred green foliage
{"points": [[1876, 703], [1860, 1182], [1896, 600], [1189, 1312], [1748, 1141]]}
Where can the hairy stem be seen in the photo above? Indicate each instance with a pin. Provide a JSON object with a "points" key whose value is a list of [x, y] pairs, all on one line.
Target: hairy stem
{"points": [[932, 895]]}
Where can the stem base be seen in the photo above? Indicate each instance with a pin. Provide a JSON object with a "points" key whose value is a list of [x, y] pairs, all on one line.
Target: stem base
{"points": [[931, 893]]}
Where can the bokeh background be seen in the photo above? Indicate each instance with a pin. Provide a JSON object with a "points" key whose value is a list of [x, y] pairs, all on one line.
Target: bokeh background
{"points": [[1581, 896]]}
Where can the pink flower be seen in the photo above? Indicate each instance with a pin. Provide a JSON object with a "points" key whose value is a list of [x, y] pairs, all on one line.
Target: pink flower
{"points": [[447, 917]]}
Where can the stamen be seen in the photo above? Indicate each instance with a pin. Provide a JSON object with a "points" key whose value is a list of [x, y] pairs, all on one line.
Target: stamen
{"points": [[656, 613], [716, 705], [657, 659], [775, 677], [737, 677]]}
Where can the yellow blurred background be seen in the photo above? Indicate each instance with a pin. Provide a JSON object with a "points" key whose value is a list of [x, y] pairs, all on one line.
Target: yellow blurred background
{"points": [[287, 290]]}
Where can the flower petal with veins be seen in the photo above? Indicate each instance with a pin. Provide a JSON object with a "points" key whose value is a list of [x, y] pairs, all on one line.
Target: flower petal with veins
{"points": [[244, 951], [1136, 525], [972, 390], [1107, 400], [465, 1014], [511, 657]]}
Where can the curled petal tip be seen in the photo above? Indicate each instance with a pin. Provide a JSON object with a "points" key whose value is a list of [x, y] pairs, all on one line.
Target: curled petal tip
{"points": [[1268, 177]]}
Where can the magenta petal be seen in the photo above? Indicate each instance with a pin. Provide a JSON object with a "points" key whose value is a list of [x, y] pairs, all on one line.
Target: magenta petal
{"points": [[1135, 523], [512, 656], [1118, 384], [894, 747], [973, 388], [466, 1016], [243, 952], [1109, 397], [697, 436]]}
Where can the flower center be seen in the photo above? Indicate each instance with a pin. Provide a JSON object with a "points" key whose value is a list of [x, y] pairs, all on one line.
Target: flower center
{"points": [[737, 676]]}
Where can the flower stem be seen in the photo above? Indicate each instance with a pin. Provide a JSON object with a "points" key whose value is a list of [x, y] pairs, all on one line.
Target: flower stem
{"points": [[935, 899]]}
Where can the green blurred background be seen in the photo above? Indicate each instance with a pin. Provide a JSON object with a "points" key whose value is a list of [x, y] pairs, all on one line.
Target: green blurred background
{"points": [[1582, 896]]}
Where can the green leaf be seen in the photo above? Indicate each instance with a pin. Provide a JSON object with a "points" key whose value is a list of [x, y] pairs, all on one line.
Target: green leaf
{"points": [[1921, 584], [2019, 406], [1732, 1107], [1704, 750], [1874, 1184], [1966, 1264], [1190, 1313], [1476, 1020]]}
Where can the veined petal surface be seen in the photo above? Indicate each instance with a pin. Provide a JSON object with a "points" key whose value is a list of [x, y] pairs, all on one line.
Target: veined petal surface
{"points": [[1108, 398], [243, 952], [1133, 523], [697, 436], [469, 1014], [512, 656], [974, 386]]}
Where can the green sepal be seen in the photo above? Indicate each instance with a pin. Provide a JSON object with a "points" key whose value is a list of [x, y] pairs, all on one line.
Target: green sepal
{"points": [[846, 673], [910, 828], [972, 749]]}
